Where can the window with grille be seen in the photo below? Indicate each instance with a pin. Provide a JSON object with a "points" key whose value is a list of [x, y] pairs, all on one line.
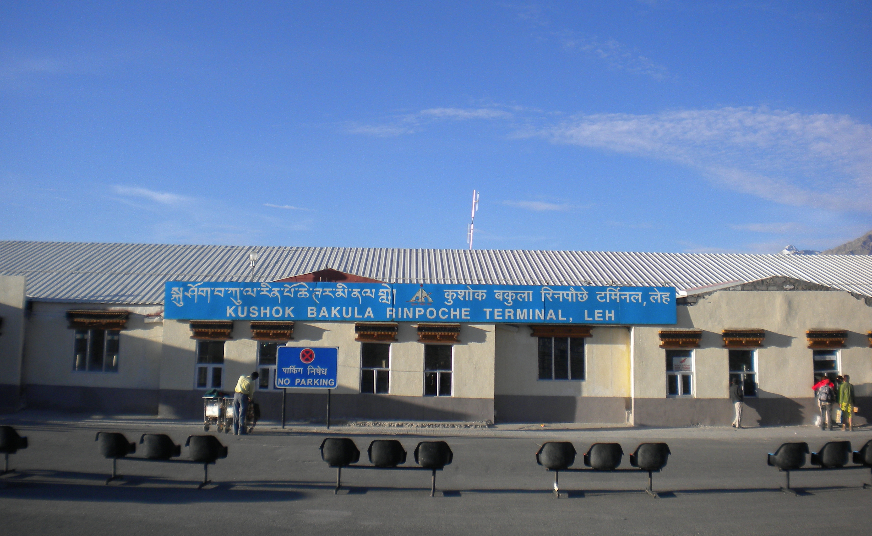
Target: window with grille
{"points": [[438, 365], [267, 353], [743, 367], [826, 363], [375, 368], [96, 350], [561, 358], [679, 372], [210, 364]]}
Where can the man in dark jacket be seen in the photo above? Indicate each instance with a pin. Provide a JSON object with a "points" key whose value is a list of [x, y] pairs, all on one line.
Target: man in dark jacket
{"points": [[737, 397], [825, 395]]}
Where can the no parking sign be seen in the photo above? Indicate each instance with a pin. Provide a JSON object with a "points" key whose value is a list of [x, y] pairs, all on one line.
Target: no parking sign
{"points": [[306, 367]]}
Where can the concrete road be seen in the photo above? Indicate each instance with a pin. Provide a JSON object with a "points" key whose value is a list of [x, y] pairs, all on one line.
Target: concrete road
{"points": [[274, 482]]}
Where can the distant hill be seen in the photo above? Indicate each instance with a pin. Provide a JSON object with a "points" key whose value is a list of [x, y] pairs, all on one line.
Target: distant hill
{"points": [[791, 250], [860, 246]]}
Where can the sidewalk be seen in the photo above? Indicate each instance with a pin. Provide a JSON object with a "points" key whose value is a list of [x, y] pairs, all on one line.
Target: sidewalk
{"points": [[580, 431]]}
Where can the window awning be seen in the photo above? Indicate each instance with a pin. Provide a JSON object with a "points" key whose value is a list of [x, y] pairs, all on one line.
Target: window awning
{"points": [[272, 331], [376, 331], [822, 339], [438, 332], [97, 319], [680, 338], [549, 330], [211, 329], [744, 338]]}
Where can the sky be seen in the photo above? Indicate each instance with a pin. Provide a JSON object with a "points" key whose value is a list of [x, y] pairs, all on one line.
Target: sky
{"points": [[630, 125]]}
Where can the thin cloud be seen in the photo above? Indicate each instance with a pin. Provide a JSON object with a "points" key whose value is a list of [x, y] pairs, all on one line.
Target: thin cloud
{"points": [[539, 206], [820, 160], [20, 66], [770, 228], [415, 122], [380, 131], [630, 225], [286, 207], [530, 13], [614, 53], [609, 51], [464, 113], [163, 198]]}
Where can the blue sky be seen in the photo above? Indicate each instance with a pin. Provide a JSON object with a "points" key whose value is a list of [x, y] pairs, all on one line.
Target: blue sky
{"points": [[629, 125]]}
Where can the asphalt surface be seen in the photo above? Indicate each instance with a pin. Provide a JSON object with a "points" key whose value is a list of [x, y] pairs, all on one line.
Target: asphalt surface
{"points": [[274, 482]]}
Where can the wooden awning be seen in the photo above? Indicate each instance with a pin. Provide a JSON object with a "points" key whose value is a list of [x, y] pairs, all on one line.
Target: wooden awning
{"points": [[557, 330], [272, 331], [214, 330], [680, 338], [97, 319], [822, 339], [744, 338], [438, 332], [376, 331]]}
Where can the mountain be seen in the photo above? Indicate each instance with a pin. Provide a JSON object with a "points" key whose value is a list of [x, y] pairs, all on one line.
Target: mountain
{"points": [[860, 246], [791, 250]]}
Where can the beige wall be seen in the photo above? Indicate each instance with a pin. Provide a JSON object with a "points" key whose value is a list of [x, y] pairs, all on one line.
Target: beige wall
{"points": [[785, 367], [178, 361], [489, 360], [473, 357], [12, 331], [49, 349], [607, 362]]}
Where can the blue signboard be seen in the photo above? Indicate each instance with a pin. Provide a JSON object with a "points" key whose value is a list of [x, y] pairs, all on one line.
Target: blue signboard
{"points": [[306, 367], [382, 302]]}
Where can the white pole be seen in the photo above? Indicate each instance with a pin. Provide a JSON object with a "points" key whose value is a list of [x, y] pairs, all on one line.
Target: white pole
{"points": [[471, 228]]}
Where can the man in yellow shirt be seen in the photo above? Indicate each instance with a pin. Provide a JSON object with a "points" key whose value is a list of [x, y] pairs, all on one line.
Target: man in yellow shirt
{"points": [[241, 400]]}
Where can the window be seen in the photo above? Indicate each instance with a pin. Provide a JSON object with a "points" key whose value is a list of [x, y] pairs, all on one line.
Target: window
{"points": [[437, 369], [826, 363], [375, 368], [266, 364], [742, 368], [561, 358], [96, 350], [210, 364], [679, 372]]}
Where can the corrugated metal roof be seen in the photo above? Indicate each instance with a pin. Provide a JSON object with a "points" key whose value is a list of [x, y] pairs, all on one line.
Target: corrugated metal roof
{"points": [[136, 273]]}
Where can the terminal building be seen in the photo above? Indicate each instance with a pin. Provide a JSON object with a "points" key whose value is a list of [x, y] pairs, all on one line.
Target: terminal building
{"points": [[647, 339]]}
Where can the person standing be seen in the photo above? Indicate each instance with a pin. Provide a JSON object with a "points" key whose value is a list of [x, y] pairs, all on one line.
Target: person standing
{"points": [[846, 403], [825, 397], [241, 399], [737, 397]]}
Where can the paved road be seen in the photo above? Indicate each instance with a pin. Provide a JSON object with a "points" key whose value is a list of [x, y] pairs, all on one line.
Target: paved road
{"points": [[274, 482]]}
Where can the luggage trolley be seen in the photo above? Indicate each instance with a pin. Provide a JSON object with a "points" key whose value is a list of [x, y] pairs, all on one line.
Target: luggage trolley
{"points": [[214, 413]]}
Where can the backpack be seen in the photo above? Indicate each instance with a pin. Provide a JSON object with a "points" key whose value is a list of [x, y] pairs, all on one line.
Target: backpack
{"points": [[826, 394]]}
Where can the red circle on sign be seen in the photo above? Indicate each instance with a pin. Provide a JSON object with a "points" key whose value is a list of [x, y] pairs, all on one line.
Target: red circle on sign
{"points": [[307, 355]]}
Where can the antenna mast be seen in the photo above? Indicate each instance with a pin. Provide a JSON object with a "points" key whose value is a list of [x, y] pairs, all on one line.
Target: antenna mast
{"points": [[471, 228]]}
